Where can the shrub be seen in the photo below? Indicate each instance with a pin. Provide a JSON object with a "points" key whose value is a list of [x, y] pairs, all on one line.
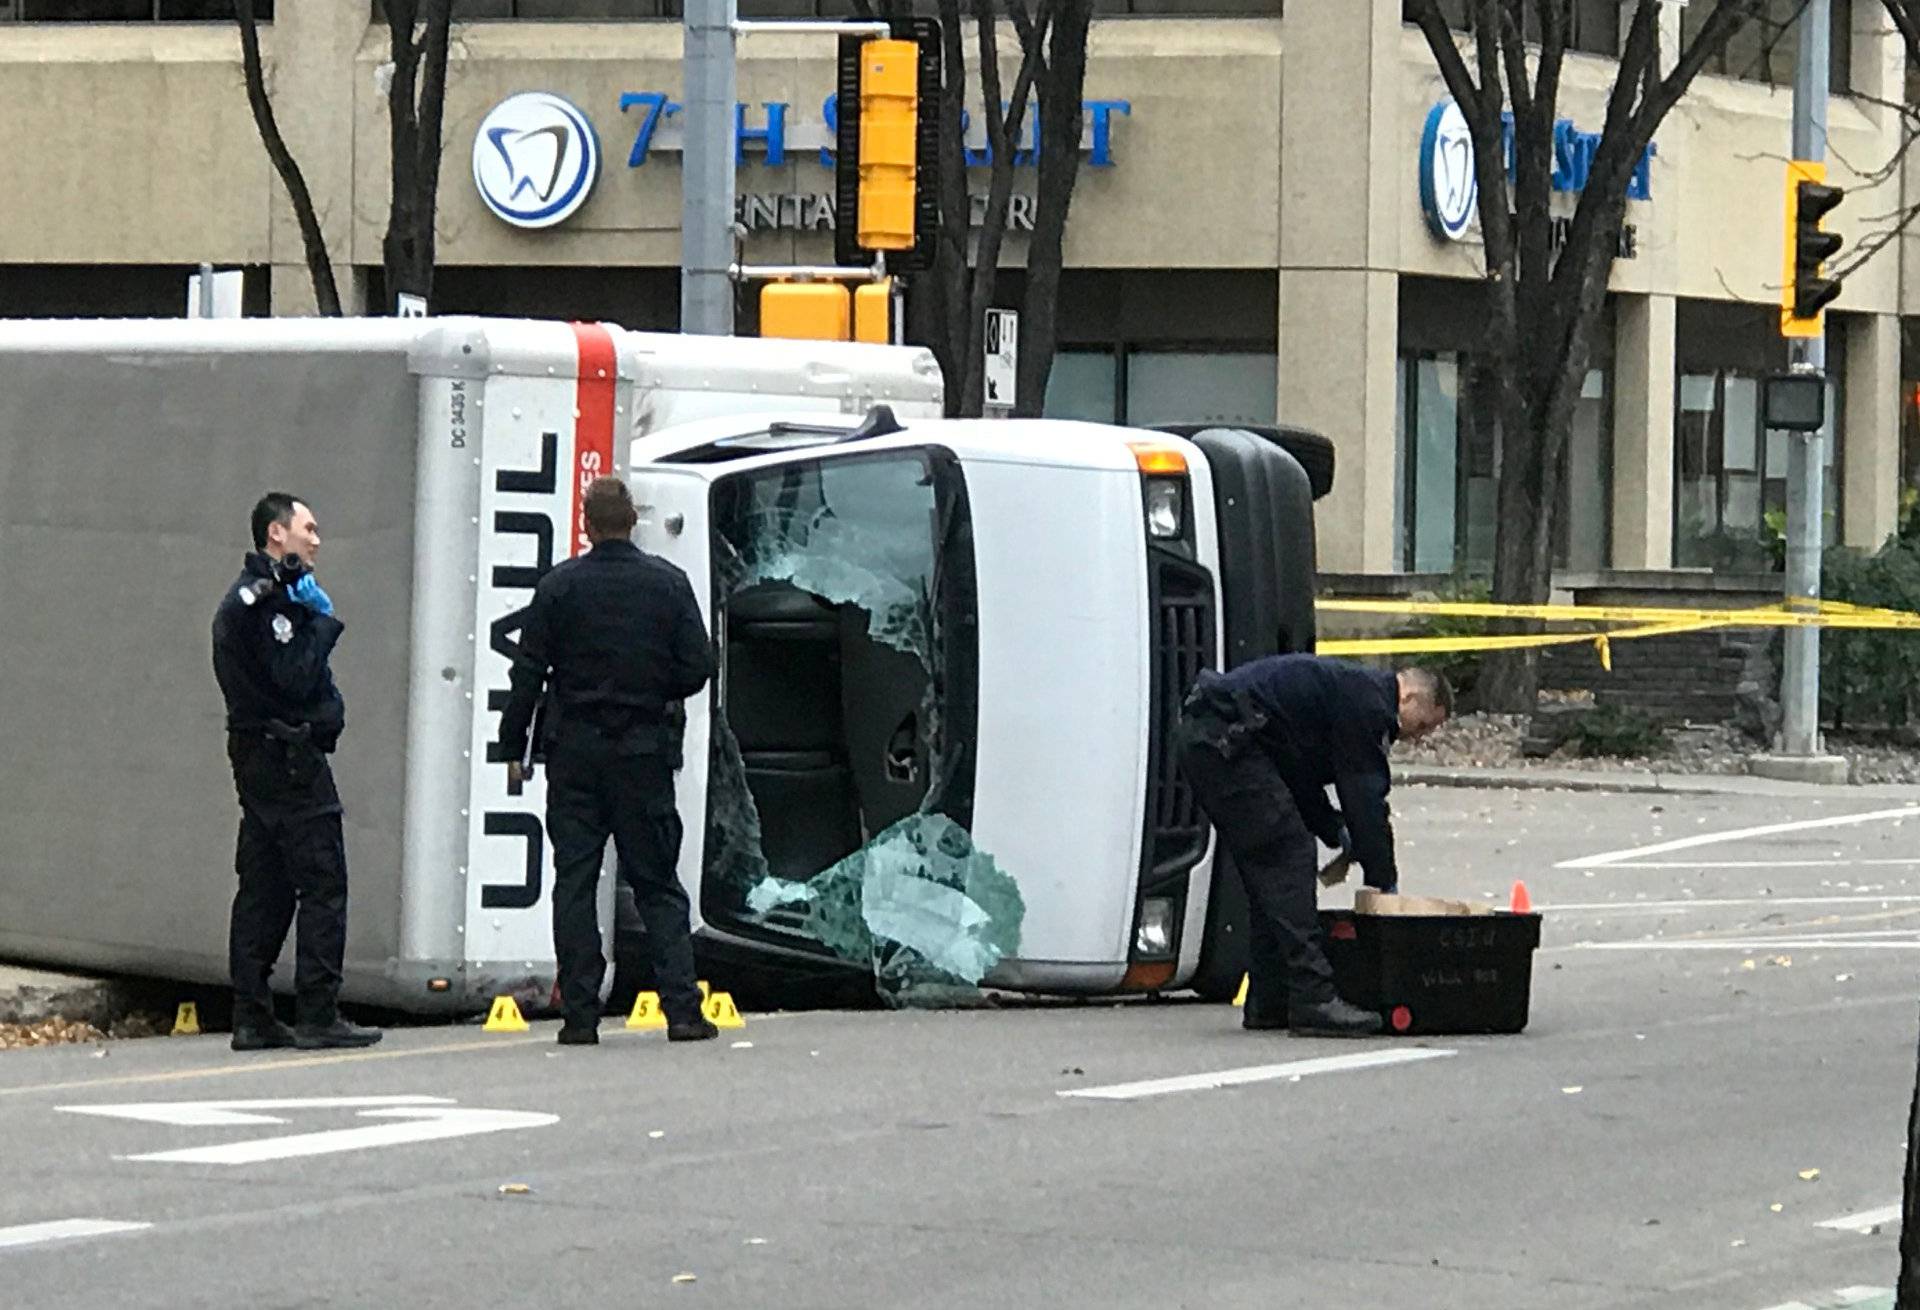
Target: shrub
{"points": [[1871, 676], [1611, 731]]}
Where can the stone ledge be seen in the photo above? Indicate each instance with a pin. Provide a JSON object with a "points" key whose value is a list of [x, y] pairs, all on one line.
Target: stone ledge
{"points": [[1826, 770]]}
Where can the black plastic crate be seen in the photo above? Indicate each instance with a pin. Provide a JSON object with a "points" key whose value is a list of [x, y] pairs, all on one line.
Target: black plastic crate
{"points": [[1435, 973]]}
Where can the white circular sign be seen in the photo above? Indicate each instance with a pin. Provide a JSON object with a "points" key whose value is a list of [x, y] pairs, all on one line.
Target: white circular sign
{"points": [[1449, 190], [535, 160]]}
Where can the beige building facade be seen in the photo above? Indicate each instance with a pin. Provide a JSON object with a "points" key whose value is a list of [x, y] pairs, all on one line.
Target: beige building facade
{"points": [[1249, 240]]}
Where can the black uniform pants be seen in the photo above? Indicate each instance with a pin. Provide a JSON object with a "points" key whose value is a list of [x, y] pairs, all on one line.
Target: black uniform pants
{"points": [[289, 868], [594, 792], [1252, 809]]}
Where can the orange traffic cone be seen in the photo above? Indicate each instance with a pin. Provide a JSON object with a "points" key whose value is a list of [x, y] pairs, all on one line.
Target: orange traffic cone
{"points": [[1522, 903]]}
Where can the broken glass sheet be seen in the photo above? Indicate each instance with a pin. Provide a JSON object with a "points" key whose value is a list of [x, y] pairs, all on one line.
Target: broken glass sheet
{"points": [[845, 563], [926, 908]]}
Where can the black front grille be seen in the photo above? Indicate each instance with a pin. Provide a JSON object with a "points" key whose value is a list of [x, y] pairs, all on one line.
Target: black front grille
{"points": [[1176, 831]]}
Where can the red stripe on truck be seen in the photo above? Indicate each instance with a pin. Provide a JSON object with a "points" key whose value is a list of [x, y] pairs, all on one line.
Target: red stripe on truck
{"points": [[593, 419]]}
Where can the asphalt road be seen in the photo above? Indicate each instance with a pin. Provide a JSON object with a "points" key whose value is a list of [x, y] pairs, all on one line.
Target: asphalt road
{"points": [[1710, 1019]]}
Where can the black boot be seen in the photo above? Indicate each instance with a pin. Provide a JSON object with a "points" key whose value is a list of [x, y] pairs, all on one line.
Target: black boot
{"points": [[1333, 1018], [267, 1034], [338, 1035], [579, 1034], [694, 1030]]}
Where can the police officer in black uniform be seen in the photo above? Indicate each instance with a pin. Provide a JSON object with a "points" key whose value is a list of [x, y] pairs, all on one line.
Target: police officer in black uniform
{"points": [[272, 637], [616, 637], [1261, 744]]}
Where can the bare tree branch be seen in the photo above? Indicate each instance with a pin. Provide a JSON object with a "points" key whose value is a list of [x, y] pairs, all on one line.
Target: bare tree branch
{"points": [[326, 293]]}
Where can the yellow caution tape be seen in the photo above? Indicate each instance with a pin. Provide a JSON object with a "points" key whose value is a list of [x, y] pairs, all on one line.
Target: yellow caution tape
{"points": [[1445, 645], [1799, 612]]}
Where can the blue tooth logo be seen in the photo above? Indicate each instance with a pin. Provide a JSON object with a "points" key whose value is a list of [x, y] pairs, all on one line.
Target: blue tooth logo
{"points": [[536, 158]]}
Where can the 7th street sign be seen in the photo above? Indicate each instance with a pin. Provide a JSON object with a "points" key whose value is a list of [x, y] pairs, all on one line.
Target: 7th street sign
{"points": [[418, 1119]]}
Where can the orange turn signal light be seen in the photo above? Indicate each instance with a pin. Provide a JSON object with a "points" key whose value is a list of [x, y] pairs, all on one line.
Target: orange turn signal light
{"points": [[1147, 977], [1158, 458]]}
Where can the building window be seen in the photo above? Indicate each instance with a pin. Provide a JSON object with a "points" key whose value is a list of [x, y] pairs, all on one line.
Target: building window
{"points": [[1084, 384], [1201, 387], [1593, 25], [1765, 51], [1449, 465], [1730, 475], [127, 11], [1142, 387]]}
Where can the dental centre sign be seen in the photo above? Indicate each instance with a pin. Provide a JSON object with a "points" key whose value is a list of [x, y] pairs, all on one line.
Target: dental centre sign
{"points": [[537, 156], [1450, 189]]}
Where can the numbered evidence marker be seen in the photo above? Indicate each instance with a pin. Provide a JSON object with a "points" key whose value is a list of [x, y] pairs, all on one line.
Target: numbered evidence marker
{"points": [[647, 1014], [422, 1119]]}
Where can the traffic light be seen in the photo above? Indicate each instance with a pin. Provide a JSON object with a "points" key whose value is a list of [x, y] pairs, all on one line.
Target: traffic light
{"points": [[1807, 293], [811, 311], [887, 140], [889, 117], [873, 312]]}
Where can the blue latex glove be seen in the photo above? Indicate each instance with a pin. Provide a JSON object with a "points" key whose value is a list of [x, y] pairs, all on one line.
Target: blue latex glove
{"points": [[307, 592]]}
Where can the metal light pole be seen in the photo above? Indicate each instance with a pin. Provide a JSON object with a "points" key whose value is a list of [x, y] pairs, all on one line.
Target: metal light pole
{"points": [[706, 169], [1806, 465]]}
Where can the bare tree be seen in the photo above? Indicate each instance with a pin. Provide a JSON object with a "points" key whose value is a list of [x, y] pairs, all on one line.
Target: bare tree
{"points": [[1545, 298], [326, 293], [420, 35], [1062, 91]]}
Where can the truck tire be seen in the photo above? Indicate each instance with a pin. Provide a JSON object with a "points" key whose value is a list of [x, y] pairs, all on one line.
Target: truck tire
{"points": [[1265, 481], [1311, 451], [1223, 946]]}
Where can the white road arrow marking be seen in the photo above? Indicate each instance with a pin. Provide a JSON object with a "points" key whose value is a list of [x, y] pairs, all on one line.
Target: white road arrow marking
{"points": [[1261, 1073], [59, 1230], [229, 1114], [425, 1119]]}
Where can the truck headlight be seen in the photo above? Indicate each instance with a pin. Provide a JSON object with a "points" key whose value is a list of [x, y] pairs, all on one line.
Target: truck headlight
{"points": [[1166, 507], [1155, 933]]}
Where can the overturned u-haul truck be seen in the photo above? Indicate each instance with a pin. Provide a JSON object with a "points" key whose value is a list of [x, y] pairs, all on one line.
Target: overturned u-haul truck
{"points": [[950, 651]]}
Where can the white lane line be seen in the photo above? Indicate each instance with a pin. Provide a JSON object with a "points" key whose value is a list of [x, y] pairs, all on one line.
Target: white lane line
{"points": [[1841, 1300], [1610, 858], [1761, 944], [1703, 903], [1761, 864], [60, 1230], [1850, 1223], [1260, 1073]]}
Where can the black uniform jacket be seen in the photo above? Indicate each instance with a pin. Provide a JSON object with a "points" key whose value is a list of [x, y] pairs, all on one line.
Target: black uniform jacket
{"points": [[617, 634], [284, 713]]}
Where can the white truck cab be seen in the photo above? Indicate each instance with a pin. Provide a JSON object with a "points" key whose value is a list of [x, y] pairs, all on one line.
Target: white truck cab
{"points": [[976, 632]]}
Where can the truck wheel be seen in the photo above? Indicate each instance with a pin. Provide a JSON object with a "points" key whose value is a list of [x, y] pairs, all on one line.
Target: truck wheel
{"points": [[1223, 947]]}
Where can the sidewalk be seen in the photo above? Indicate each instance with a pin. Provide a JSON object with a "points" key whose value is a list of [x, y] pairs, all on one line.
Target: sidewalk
{"points": [[1647, 781], [29, 996]]}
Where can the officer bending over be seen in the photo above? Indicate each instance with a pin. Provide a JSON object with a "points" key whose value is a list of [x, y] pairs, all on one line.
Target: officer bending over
{"points": [[1260, 745], [616, 636], [272, 637]]}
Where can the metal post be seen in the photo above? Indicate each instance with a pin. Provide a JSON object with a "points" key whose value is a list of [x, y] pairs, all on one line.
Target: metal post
{"points": [[1806, 466], [206, 291], [706, 169]]}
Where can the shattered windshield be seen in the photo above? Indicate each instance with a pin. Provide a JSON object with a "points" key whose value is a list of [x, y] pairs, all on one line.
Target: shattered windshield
{"points": [[841, 784]]}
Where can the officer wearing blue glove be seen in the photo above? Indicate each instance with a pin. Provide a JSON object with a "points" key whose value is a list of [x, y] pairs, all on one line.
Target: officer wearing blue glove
{"points": [[1260, 745], [273, 635]]}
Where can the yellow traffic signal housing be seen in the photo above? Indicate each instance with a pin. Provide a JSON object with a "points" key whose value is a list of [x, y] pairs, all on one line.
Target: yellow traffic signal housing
{"points": [[887, 142], [873, 312], [810, 311], [1805, 292], [889, 125]]}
